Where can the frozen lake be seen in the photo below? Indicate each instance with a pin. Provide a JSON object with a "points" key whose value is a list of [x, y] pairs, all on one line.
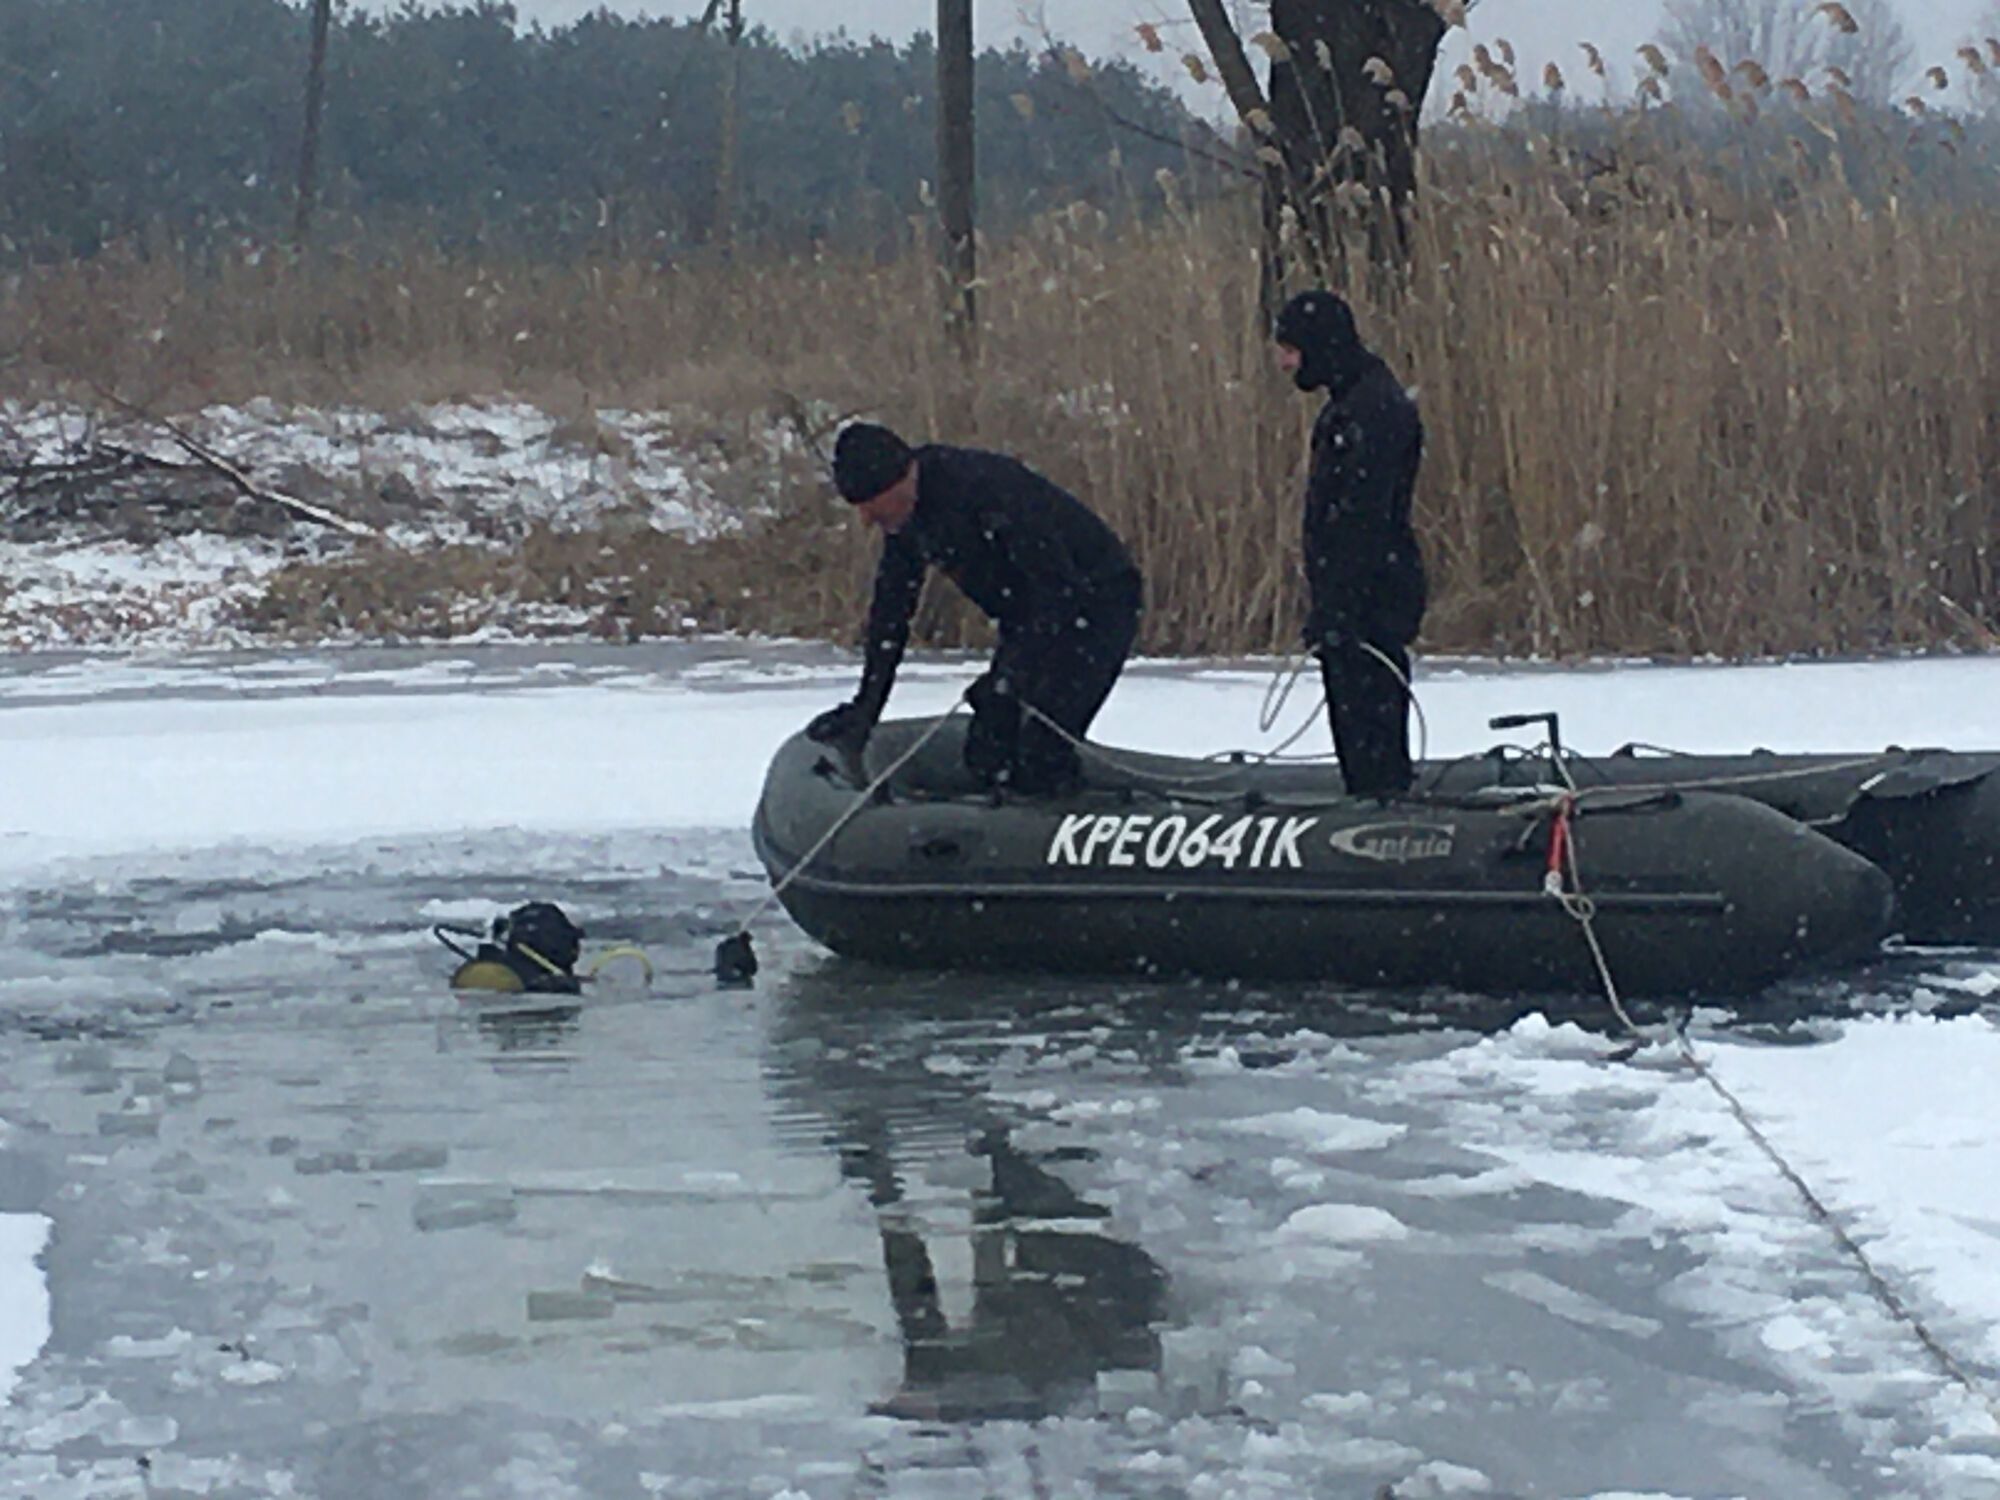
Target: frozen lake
{"points": [[316, 1227]]}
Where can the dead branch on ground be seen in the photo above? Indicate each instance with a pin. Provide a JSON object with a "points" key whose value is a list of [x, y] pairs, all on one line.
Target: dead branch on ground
{"points": [[209, 458]]}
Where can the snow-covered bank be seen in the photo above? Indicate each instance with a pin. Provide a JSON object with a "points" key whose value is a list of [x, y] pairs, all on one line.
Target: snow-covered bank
{"points": [[150, 549]]}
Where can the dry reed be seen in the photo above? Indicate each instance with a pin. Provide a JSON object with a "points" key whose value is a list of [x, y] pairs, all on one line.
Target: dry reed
{"points": [[1672, 409]]}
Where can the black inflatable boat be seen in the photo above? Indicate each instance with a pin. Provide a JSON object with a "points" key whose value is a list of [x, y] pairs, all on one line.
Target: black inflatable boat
{"points": [[1929, 818], [1166, 866]]}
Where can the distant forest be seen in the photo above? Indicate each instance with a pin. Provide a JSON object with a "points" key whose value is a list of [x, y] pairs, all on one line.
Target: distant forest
{"points": [[181, 119]]}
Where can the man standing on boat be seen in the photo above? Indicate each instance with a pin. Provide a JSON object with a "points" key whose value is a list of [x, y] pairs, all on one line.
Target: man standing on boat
{"points": [[1364, 573], [1054, 578]]}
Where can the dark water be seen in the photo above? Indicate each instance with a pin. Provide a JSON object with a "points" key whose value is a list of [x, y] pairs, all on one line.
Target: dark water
{"points": [[323, 1229]]}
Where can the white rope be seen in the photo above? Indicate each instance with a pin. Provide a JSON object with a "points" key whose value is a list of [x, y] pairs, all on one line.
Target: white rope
{"points": [[1579, 906], [862, 799], [1277, 693], [1410, 693], [1747, 778], [1280, 687]]}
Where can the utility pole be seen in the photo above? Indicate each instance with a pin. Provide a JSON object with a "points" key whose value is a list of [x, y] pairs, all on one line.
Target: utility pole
{"points": [[732, 111], [955, 172], [322, 18]]}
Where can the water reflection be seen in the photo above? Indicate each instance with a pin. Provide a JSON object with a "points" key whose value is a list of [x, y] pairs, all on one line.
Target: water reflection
{"points": [[533, 1033], [1057, 1298]]}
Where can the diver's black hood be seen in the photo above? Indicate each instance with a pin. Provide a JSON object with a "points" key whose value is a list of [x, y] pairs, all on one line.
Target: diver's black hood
{"points": [[1320, 325]]}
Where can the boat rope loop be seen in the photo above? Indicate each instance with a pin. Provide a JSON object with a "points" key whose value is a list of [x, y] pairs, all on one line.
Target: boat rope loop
{"points": [[1563, 880], [735, 959], [1277, 693]]}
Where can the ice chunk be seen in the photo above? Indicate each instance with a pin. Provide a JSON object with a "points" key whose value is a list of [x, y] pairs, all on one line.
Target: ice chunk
{"points": [[1343, 1224], [251, 1372], [1438, 1480], [461, 1205], [553, 1307], [1126, 1392], [123, 1346], [182, 1075], [1254, 1359], [1568, 1303], [1318, 1130], [407, 1159]]}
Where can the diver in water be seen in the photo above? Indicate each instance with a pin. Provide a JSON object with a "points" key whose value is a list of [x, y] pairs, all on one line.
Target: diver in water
{"points": [[1054, 578], [1364, 573]]}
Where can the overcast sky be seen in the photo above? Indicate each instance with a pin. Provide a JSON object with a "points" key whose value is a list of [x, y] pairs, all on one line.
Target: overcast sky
{"points": [[1539, 29]]}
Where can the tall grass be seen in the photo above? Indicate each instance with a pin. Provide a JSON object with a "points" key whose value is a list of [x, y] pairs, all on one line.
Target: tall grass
{"points": [[1672, 408]]}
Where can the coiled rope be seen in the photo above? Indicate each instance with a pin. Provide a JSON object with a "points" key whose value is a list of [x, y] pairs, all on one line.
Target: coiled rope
{"points": [[1277, 694]]}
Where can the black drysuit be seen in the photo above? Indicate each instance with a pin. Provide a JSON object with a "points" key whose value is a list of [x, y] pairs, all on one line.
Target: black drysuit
{"points": [[1051, 575], [1363, 570]]}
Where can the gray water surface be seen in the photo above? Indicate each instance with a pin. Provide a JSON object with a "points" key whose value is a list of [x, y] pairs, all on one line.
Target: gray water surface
{"points": [[321, 1228]]}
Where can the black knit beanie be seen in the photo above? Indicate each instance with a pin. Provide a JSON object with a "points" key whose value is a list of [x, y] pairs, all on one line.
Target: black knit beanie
{"points": [[867, 459]]}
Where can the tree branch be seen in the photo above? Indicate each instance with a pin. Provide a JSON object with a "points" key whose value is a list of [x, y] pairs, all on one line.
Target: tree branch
{"points": [[1239, 79], [209, 458]]}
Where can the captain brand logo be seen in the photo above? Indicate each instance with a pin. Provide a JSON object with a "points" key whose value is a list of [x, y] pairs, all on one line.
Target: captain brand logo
{"points": [[1397, 843], [1143, 840]]}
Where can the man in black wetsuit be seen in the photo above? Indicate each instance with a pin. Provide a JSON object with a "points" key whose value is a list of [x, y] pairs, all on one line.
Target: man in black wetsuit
{"points": [[1051, 575], [1364, 573]]}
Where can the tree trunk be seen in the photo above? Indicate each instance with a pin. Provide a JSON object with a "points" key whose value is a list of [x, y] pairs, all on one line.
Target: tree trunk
{"points": [[732, 123], [1346, 93], [956, 172], [1239, 79], [322, 19]]}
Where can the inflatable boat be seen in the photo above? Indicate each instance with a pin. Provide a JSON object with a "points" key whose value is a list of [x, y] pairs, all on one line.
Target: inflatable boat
{"points": [[1930, 819], [1169, 867]]}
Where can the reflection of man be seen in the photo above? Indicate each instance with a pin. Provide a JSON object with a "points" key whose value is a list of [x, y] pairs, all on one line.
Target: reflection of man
{"points": [[1050, 1307], [1051, 575]]}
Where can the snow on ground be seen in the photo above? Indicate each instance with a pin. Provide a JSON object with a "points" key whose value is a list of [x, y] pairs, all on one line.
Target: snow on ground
{"points": [[505, 458], [446, 744], [456, 471], [1890, 1122]]}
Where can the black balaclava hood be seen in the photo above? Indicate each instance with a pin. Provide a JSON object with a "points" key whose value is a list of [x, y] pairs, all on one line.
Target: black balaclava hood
{"points": [[1320, 325], [867, 459]]}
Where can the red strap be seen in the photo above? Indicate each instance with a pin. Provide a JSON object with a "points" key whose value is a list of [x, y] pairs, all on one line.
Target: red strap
{"points": [[1559, 837]]}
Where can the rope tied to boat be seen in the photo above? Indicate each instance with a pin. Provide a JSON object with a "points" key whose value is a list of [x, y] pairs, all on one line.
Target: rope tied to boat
{"points": [[1563, 880], [735, 957]]}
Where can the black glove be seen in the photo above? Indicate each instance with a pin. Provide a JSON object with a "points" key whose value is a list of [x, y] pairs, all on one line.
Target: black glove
{"points": [[846, 726]]}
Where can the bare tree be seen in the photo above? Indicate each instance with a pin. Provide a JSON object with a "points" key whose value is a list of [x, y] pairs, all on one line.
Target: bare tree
{"points": [[1799, 38], [322, 19], [1347, 85], [731, 126], [1981, 56], [956, 170]]}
